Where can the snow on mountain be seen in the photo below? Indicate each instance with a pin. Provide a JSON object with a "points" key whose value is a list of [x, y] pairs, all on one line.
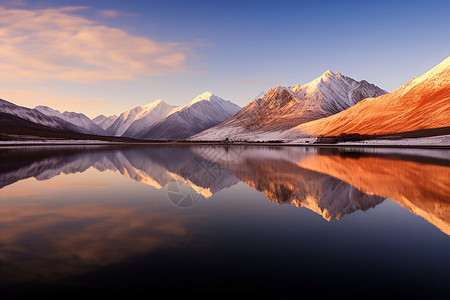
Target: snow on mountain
{"points": [[131, 122], [78, 119], [99, 119], [282, 108], [422, 103], [36, 116], [205, 111], [104, 121]]}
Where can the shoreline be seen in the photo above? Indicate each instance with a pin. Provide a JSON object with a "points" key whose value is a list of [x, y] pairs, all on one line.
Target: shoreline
{"points": [[175, 143]]}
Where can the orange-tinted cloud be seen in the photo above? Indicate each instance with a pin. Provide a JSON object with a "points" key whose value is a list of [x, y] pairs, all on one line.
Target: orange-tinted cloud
{"points": [[60, 44], [45, 97], [63, 101], [12, 94]]}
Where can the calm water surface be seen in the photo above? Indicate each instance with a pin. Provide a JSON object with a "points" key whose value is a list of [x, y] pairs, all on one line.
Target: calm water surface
{"points": [[216, 220]]}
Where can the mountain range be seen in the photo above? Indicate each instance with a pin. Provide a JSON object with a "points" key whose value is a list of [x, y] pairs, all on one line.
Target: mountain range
{"points": [[81, 121], [205, 111], [283, 108], [331, 105], [33, 116], [422, 103], [157, 120], [334, 105]]}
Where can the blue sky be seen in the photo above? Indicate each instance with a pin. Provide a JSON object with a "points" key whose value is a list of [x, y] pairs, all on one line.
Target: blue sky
{"points": [[235, 49]]}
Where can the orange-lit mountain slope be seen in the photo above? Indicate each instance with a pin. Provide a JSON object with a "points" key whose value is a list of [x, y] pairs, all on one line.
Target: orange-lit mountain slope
{"points": [[422, 103]]}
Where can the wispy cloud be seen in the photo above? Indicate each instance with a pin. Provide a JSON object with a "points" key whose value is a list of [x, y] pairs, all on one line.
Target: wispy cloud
{"points": [[60, 44], [109, 13]]}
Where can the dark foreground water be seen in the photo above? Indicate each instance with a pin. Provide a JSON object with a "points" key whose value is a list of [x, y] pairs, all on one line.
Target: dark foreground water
{"points": [[268, 222]]}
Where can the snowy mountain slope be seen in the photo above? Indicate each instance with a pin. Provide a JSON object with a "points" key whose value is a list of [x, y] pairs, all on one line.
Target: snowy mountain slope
{"points": [[282, 108], [159, 113], [99, 119], [205, 111], [104, 122], [12, 127], [131, 122], [422, 103], [35, 116], [78, 119]]}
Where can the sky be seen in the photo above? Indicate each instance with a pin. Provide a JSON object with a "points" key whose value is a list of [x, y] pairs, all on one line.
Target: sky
{"points": [[108, 56]]}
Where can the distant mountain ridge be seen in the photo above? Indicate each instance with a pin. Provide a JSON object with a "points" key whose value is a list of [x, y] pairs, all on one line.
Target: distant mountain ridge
{"points": [[85, 124], [161, 121], [156, 120], [35, 116], [205, 111]]}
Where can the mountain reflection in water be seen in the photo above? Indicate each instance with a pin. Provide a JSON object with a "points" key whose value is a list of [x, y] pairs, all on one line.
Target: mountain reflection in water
{"points": [[330, 182], [39, 230]]}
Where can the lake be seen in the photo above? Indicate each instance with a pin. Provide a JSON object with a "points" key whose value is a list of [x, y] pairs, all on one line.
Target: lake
{"points": [[277, 221]]}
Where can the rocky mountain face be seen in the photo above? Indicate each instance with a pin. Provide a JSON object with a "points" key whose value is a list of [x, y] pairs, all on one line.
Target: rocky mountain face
{"points": [[156, 120], [283, 108]]}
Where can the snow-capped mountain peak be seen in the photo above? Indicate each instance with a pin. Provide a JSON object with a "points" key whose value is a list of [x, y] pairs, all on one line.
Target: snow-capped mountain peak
{"points": [[131, 122], [104, 121], [47, 110], [439, 68], [85, 124], [206, 96], [204, 111], [327, 77], [334, 92], [153, 104], [328, 73], [98, 119]]}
